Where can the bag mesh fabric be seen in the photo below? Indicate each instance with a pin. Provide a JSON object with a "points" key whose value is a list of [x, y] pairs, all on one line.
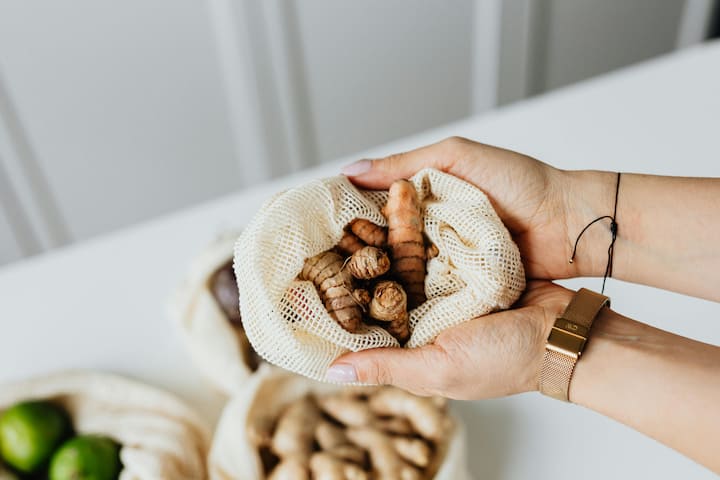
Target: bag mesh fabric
{"points": [[478, 269]]}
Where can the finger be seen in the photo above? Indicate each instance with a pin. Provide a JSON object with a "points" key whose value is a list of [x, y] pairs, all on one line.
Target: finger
{"points": [[414, 369], [378, 174]]}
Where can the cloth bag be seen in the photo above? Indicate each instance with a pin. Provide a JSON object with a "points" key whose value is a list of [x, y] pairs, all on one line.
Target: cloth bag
{"points": [[233, 457], [218, 349], [160, 437], [478, 269]]}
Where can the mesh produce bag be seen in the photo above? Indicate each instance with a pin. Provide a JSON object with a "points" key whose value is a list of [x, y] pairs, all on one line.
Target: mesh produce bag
{"points": [[218, 347], [233, 456], [478, 269], [160, 436]]}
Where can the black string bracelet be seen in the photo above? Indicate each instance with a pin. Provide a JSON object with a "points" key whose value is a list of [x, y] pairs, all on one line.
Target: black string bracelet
{"points": [[613, 231]]}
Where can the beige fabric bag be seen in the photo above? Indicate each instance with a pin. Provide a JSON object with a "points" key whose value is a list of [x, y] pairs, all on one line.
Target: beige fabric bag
{"points": [[477, 271], [218, 349], [161, 437], [233, 457]]}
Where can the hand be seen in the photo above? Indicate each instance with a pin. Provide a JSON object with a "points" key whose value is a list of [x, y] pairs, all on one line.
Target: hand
{"points": [[544, 208], [491, 356]]}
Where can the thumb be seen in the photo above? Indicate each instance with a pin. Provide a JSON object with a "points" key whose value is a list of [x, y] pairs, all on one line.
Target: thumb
{"points": [[418, 370], [378, 174]]}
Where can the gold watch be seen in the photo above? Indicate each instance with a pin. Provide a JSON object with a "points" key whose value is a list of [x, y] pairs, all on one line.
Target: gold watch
{"points": [[566, 342]]}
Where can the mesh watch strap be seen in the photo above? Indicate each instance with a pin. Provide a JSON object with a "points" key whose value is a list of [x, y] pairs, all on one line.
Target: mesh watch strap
{"points": [[566, 342]]}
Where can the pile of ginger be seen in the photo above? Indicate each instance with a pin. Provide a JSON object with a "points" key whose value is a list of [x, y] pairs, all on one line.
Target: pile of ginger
{"points": [[365, 433], [376, 274]]}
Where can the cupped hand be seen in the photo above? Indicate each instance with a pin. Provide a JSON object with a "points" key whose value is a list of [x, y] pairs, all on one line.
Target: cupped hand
{"points": [[543, 207], [490, 356]]}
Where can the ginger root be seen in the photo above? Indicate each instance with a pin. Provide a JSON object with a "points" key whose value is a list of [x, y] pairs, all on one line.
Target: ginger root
{"points": [[335, 285], [389, 304], [405, 238], [413, 450], [350, 453], [326, 466], [368, 232], [329, 435], [295, 429], [422, 412], [346, 410], [259, 431], [386, 461], [290, 468], [368, 262], [358, 433]]}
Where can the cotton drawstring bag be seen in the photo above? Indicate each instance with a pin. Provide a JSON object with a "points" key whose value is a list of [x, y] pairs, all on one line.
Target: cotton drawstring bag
{"points": [[160, 437], [234, 457], [219, 349], [478, 269]]}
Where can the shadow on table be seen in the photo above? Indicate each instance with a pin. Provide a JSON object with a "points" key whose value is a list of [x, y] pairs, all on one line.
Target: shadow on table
{"points": [[489, 426]]}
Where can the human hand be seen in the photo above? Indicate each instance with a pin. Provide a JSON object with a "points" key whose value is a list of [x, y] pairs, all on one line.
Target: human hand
{"points": [[490, 356], [543, 207]]}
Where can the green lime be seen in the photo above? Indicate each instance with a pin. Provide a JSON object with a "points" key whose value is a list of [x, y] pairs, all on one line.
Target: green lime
{"points": [[86, 457], [30, 432]]}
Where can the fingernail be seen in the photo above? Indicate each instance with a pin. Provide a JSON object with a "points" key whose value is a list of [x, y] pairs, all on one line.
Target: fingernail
{"points": [[341, 373], [357, 168]]}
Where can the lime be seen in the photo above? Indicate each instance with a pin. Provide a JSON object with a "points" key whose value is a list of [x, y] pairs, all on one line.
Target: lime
{"points": [[30, 432], [86, 457]]}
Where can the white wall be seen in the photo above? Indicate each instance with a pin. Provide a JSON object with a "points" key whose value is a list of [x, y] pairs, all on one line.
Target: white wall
{"points": [[585, 38], [379, 70], [546, 44], [121, 103], [115, 112]]}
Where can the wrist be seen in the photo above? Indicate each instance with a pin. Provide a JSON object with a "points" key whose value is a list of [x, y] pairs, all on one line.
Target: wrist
{"points": [[590, 194], [543, 320]]}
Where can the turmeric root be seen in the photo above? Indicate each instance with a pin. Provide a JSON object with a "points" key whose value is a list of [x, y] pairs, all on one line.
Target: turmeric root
{"points": [[367, 263], [349, 243], [431, 251], [389, 304], [335, 285], [423, 414], [405, 239], [295, 429], [362, 297], [368, 232]]}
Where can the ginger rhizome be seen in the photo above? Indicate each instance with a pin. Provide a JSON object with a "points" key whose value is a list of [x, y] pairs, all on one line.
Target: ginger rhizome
{"points": [[405, 238], [363, 434]]}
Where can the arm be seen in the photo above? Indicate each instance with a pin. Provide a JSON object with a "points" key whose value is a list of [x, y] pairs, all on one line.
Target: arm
{"points": [[669, 227], [663, 385], [668, 234], [660, 384]]}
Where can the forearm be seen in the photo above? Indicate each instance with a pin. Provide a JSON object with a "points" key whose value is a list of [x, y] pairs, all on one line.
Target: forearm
{"points": [[660, 384], [668, 234]]}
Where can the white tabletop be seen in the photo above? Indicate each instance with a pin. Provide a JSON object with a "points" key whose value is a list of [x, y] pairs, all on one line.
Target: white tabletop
{"points": [[101, 304]]}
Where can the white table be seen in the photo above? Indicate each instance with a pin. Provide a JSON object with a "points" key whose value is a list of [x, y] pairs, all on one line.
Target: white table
{"points": [[101, 304]]}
